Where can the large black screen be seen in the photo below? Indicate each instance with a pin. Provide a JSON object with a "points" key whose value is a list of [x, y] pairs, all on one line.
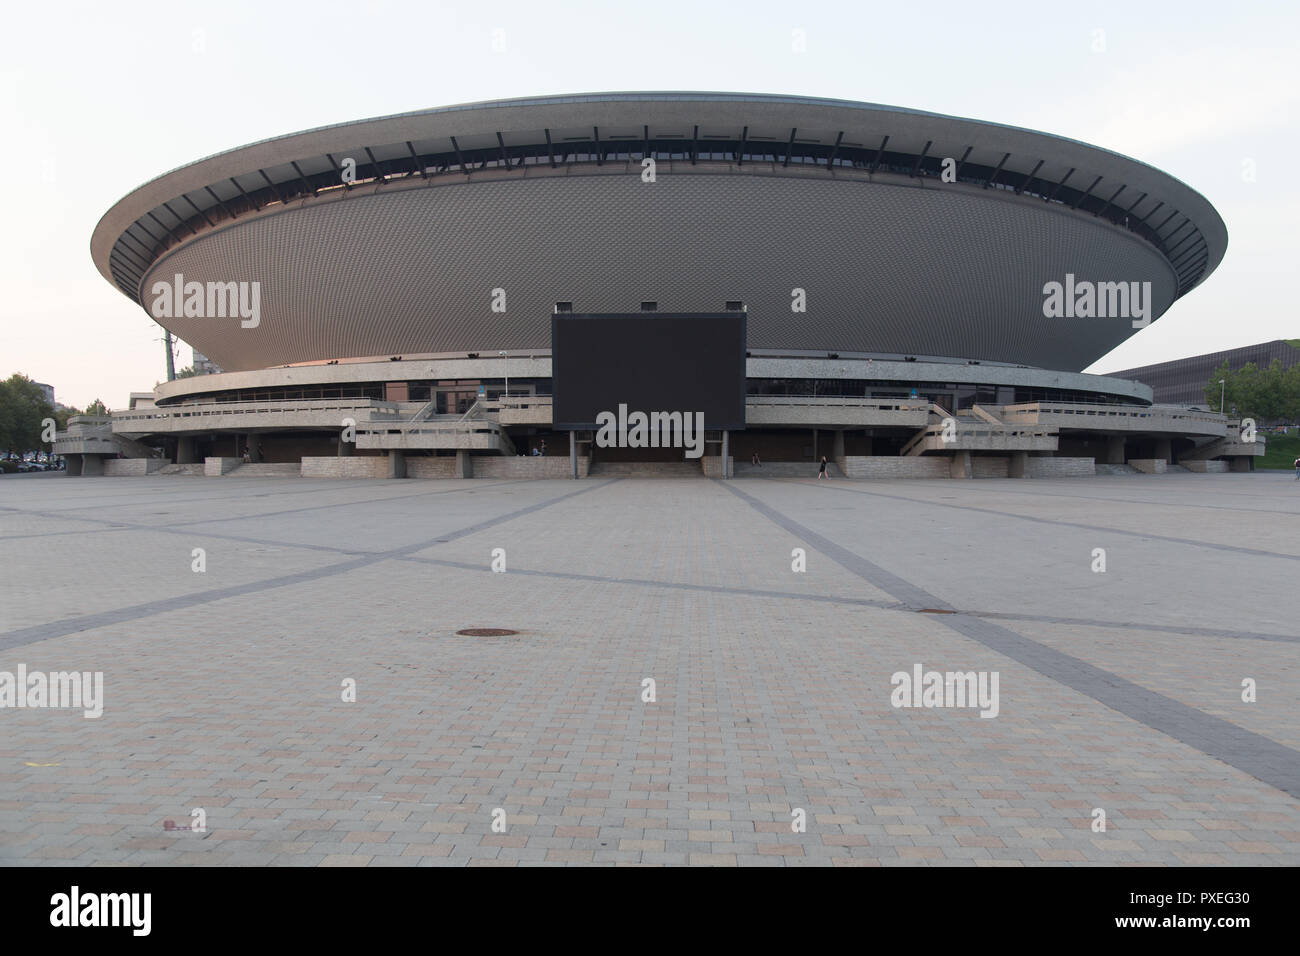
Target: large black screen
{"points": [[649, 361]]}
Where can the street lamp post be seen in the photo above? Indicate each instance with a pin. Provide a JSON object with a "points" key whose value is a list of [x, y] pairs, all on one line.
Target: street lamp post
{"points": [[505, 360], [1223, 390]]}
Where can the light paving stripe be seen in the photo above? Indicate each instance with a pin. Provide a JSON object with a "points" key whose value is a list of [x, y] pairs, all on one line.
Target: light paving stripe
{"points": [[1262, 758]]}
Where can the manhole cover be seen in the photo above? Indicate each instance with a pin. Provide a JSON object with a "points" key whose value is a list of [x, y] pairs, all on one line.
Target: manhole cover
{"points": [[934, 610], [486, 632]]}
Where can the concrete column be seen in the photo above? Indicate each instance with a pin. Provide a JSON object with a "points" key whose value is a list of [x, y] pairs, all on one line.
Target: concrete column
{"points": [[1017, 464], [1115, 450], [960, 466], [573, 455], [815, 455], [184, 450], [92, 465], [726, 452], [1165, 449], [74, 465], [346, 448], [837, 446], [1242, 463], [464, 465], [396, 463]]}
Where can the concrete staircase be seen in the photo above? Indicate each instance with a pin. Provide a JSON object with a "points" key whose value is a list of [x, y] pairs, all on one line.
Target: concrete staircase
{"points": [[646, 469], [1104, 469], [194, 470]]}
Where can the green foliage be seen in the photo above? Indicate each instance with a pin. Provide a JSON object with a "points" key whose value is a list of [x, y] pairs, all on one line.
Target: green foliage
{"points": [[1266, 395], [1280, 451], [23, 406]]}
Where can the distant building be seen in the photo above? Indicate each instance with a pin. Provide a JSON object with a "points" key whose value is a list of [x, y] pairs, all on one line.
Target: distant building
{"points": [[47, 389], [1182, 381], [204, 365]]}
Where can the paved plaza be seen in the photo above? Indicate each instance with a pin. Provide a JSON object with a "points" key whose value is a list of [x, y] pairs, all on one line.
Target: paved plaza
{"points": [[1119, 690]]}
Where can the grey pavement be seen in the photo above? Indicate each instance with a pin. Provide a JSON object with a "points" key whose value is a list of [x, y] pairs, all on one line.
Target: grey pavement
{"points": [[1119, 690]]}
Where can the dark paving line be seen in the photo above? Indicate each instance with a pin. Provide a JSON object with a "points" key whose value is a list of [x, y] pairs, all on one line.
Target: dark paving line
{"points": [[866, 602], [670, 585], [1264, 759], [488, 484], [652, 583], [174, 527], [111, 525], [1161, 503], [55, 534], [103, 496], [1100, 529], [1130, 626], [43, 632], [155, 502]]}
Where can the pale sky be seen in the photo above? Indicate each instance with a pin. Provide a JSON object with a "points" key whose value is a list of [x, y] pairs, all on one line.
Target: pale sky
{"points": [[96, 99]]}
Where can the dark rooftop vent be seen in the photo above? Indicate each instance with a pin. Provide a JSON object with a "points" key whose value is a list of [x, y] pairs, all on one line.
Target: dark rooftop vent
{"points": [[564, 307], [649, 306], [735, 305]]}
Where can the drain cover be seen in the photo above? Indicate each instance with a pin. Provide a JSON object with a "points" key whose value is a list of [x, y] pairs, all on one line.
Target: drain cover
{"points": [[934, 610], [486, 632]]}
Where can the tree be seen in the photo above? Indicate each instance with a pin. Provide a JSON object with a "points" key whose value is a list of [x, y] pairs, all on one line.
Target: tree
{"points": [[1266, 395], [23, 410], [96, 407]]}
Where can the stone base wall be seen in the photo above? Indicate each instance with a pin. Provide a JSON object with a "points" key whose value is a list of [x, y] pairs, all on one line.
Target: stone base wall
{"points": [[713, 466], [1207, 467], [216, 467], [1036, 467], [357, 466], [894, 466], [429, 466], [989, 466], [544, 466], [133, 467]]}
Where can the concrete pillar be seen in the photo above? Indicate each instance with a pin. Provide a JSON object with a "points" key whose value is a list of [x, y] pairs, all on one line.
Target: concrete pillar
{"points": [[1242, 463], [464, 465], [184, 450], [960, 466], [1165, 449], [346, 448], [573, 455], [837, 446], [74, 465], [92, 466], [396, 463], [815, 456], [1017, 464], [726, 452], [1115, 450]]}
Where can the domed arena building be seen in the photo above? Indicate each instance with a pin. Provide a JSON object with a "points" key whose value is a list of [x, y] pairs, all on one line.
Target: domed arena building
{"points": [[919, 292]]}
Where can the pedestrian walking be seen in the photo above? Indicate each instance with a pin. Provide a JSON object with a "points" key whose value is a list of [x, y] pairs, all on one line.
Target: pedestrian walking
{"points": [[821, 472]]}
